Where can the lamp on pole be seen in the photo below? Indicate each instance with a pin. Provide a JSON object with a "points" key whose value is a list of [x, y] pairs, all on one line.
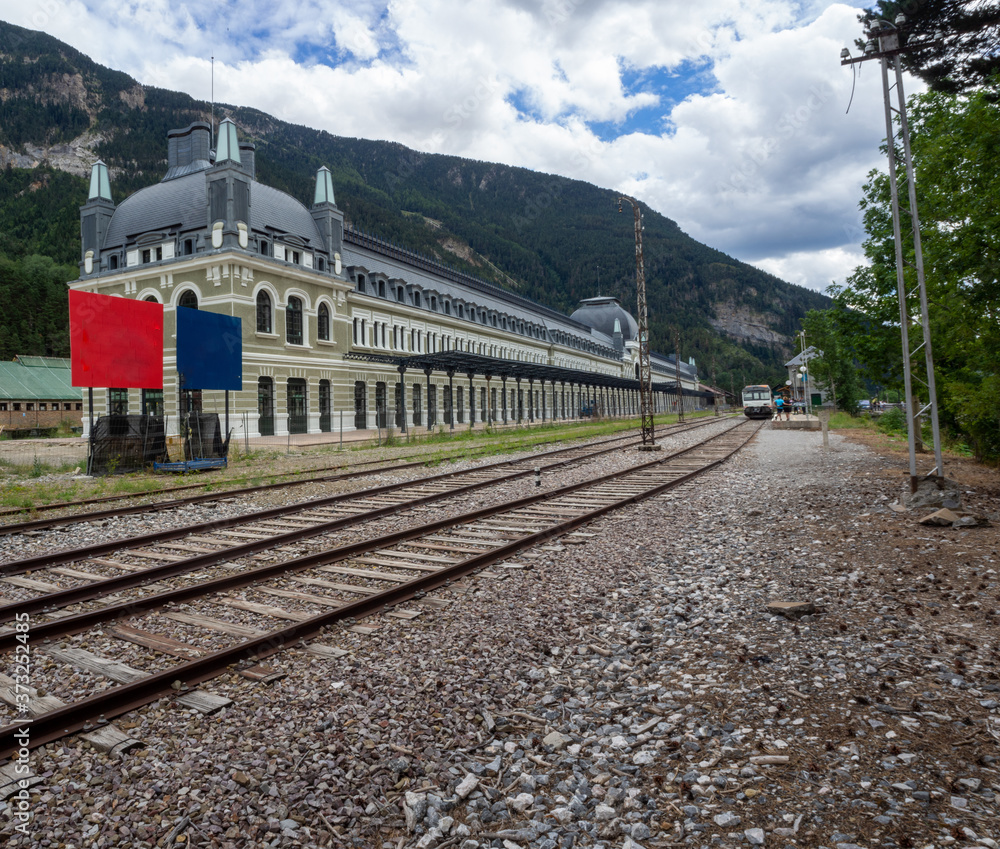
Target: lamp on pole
{"points": [[645, 374], [805, 388], [886, 42]]}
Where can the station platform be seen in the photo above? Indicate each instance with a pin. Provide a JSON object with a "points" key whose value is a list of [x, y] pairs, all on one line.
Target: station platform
{"points": [[797, 422]]}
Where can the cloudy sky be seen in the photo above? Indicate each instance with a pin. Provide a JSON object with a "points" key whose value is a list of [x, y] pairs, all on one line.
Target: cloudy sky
{"points": [[729, 116]]}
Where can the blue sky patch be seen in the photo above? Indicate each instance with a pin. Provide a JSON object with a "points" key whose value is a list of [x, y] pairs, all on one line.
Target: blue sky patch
{"points": [[670, 86]]}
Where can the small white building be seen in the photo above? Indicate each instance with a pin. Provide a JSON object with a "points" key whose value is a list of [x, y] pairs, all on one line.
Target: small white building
{"points": [[806, 386]]}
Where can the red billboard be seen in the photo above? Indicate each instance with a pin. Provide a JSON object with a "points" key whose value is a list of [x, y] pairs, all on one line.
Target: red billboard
{"points": [[115, 342]]}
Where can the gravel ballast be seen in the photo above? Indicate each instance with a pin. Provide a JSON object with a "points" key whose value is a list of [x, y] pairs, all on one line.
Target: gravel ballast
{"points": [[626, 686]]}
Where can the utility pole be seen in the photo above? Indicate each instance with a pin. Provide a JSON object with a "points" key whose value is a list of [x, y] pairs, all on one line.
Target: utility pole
{"points": [[886, 43], [677, 374], [645, 373]]}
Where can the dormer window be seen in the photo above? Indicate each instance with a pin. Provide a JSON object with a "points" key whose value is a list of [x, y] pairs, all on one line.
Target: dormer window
{"points": [[320, 264], [188, 247], [434, 304], [152, 255], [381, 288], [416, 299], [113, 262], [447, 307], [399, 295], [361, 283], [265, 247]]}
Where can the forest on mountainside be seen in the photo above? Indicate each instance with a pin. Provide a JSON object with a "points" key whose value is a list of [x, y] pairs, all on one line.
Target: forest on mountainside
{"points": [[549, 238]]}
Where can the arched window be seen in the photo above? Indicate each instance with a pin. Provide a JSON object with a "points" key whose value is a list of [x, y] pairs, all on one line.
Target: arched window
{"points": [[323, 323], [293, 321], [151, 299], [189, 299], [263, 312]]}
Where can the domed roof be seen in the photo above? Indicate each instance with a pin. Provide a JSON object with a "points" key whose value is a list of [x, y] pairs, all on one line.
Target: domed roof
{"points": [[601, 313], [180, 205]]}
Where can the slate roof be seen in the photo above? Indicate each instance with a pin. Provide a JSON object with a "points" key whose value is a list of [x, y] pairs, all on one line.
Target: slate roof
{"points": [[180, 204], [37, 379], [601, 312], [803, 357]]}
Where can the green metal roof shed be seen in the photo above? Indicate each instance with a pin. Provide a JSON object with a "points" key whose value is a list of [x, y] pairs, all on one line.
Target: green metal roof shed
{"points": [[37, 379]]}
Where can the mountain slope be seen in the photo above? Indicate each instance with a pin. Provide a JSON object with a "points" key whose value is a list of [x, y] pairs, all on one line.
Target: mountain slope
{"points": [[547, 237]]}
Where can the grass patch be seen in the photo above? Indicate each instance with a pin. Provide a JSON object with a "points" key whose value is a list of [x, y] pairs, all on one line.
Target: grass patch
{"points": [[845, 421]]}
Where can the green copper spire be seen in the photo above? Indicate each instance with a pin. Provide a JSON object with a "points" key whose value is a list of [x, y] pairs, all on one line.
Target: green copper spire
{"points": [[100, 182], [324, 187], [228, 146]]}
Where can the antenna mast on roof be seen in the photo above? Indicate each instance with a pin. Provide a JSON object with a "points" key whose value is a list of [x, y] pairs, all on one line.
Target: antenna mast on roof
{"points": [[213, 97]]}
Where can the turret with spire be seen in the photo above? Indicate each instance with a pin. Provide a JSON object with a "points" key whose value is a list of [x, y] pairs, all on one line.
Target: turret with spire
{"points": [[95, 215], [329, 219], [228, 192]]}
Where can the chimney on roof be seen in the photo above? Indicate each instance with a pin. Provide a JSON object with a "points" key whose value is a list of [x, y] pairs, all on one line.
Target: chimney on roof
{"points": [[247, 158], [187, 146]]}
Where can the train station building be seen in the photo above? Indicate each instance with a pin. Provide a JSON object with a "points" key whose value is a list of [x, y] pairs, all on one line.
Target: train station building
{"points": [[341, 328]]}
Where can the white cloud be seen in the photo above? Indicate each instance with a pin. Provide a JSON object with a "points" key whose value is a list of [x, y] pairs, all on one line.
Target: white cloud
{"points": [[760, 161], [809, 268]]}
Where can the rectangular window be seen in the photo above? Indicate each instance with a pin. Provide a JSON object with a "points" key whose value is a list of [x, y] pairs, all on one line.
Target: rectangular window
{"points": [[42, 407], [30, 406], [117, 402], [17, 405], [152, 402], [3, 406]]}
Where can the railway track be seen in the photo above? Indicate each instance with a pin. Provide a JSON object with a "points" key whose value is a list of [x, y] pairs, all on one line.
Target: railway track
{"points": [[285, 480], [341, 473], [73, 575], [313, 592]]}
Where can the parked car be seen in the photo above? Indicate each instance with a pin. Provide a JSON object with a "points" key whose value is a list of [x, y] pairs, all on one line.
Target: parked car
{"points": [[864, 406]]}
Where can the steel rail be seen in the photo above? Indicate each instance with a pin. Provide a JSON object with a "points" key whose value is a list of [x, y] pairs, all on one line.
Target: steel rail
{"points": [[98, 589], [76, 622], [118, 700], [220, 495]]}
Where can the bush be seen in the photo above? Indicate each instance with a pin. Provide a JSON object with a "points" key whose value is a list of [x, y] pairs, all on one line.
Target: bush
{"points": [[892, 421]]}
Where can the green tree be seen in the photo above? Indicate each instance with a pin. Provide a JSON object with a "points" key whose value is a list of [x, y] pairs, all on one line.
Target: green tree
{"points": [[832, 332], [964, 39], [956, 150]]}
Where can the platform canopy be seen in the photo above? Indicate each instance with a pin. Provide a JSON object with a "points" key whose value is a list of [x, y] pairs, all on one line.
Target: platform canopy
{"points": [[463, 362]]}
